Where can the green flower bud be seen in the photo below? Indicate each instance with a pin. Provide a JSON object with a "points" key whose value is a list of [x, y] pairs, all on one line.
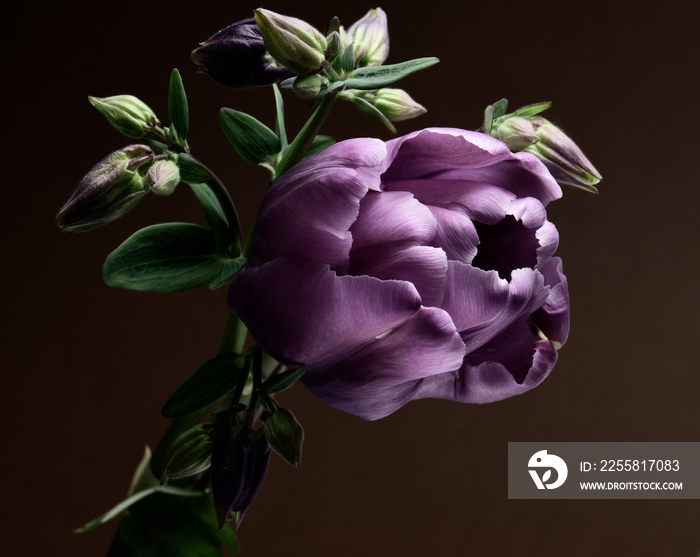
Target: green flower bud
{"points": [[292, 42], [308, 86], [371, 37], [163, 177], [111, 188], [190, 454], [516, 132], [127, 114], [397, 105], [285, 435], [524, 130]]}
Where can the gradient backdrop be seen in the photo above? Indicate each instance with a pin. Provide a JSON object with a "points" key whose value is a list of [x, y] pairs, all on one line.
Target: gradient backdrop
{"points": [[87, 368]]}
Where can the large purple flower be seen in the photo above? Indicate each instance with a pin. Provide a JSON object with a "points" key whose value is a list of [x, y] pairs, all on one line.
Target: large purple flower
{"points": [[417, 268]]}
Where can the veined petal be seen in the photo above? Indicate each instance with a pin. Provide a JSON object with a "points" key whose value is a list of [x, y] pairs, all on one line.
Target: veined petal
{"points": [[482, 304], [373, 379], [426, 152], [456, 234], [489, 381], [423, 266], [553, 317], [300, 311], [322, 195]]}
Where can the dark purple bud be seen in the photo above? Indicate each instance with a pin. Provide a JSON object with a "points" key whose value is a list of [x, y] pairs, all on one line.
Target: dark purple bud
{"points": [[238, 465], [236, 57]]}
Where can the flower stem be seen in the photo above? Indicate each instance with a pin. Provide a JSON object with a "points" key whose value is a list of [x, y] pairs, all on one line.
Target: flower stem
{"points": [[297, 149]]}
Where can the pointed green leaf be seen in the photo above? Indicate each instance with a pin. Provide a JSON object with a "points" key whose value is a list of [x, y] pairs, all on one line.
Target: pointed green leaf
{"points": [[253, 140], [532, 109], [280, 128], [373, 112], [282, 381], [375, 77], [121, 507], [499, 108], [212, 381], [178, 112], [169, 257]]}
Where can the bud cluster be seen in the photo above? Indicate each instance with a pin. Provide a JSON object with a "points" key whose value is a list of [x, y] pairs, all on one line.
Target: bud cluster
{"points": [[525, 130]]}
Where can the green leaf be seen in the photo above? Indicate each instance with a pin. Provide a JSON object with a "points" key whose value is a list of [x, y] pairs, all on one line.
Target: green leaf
{"points": [[280, 128], [169, 257], [499, 108], [282, 381], [216, 219], [532, 109], [174, 526], [375, 77], [212, 381], [319, 143], [121, 507], [178, 113], [253, 140], [373, 112], [191, 171], [229, 268]]}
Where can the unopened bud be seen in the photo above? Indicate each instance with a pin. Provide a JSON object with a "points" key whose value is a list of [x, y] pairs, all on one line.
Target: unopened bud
{"points": [[111, 188], [128, 114], [516, 132], [524, 130], [236, 57], [371, 38], [564, 159], [190, 455], [285, 435], [292, 42], [397, 105], [308, 86], [163, 177]]}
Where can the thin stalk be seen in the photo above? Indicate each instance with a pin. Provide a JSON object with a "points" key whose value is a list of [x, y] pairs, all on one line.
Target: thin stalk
{"points": [[297, 148]]}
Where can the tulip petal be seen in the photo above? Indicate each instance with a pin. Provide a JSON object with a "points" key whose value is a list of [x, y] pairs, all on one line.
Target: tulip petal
{"points": [[375, 378], [299, 310], [323, 194], [482, 304], [456, 234], [553, 317], [489, 381]]}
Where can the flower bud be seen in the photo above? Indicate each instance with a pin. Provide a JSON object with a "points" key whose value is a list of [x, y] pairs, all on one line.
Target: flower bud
{"points": [[371, 37], [534, 134], [128, 114], [285, 435], [397, 105], [308, 86], [292, 42], [564, 159], [236, 57], [190, 454], [516, 132], [111, 188], [163, 177]]}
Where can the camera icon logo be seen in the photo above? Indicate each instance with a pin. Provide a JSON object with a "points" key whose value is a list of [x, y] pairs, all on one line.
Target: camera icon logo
{"points": [[540, 467]]}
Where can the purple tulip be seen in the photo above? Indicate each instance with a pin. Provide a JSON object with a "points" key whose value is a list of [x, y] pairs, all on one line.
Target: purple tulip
{"points": [[417, 268]]}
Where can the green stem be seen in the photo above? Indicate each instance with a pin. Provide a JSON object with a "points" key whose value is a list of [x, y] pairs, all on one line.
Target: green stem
{"points": [[229, 208], [296, 150]]}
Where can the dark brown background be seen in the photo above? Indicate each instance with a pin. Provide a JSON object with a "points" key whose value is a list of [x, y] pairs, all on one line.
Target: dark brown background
{"points": [[87, 368]]}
